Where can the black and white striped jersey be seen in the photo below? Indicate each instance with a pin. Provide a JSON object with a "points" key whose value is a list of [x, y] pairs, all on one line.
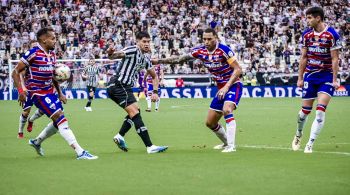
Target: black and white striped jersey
{"points": [[133, 62], [91, 71]]}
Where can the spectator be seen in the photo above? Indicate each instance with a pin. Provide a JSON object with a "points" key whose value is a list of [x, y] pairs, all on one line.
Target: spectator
{"points": [[179, 82]]}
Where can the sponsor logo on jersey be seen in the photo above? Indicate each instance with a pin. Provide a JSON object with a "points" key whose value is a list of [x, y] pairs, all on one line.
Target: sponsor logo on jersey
{"points": [[318, 50], [45, 68]]}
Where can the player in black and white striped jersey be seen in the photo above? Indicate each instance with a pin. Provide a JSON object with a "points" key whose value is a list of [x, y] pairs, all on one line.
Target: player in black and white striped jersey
{"points": [[119, 89], [90, 74]]}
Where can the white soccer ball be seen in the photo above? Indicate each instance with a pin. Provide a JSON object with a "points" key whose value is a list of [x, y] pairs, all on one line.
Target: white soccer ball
{"points": [[61, 73]]}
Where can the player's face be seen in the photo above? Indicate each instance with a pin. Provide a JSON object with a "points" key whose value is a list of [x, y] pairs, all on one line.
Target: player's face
{"points": [[209, 41], [144, 44], [312, 21], [50, 40]]}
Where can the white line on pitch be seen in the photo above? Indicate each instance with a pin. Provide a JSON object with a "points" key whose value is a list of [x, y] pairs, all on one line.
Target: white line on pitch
{"points": [[284, 148]]}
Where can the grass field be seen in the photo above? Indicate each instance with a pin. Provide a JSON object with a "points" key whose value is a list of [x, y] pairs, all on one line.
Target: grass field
{"points": [[263, 163]]}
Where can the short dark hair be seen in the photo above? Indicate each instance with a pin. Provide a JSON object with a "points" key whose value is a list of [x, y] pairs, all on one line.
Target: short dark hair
{"points": [[141, 35], [315, 11], [43, 31], [211, 30]]}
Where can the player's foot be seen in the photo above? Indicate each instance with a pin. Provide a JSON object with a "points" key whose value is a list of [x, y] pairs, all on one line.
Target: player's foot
{"points": [[86, 156], [156, 110], [30, 126], [88, 109], [220, 146], [148, 110], [20, 136], [38, 148], [308, 149], [229, 149], [296, 143], [156, 149], [119, 140]]}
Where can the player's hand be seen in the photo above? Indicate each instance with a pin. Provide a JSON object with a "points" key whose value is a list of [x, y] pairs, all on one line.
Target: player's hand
{"points": [[63, 98], [222, 92], [154, 61], [154, 97], [110, 51], [22, 98], [335, 84], [300, 83]]}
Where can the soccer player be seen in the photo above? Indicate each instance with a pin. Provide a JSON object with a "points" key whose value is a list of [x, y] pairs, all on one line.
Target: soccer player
{"points": [[148, 80], [40, 85], [318, 69], [120, 89], [90, 74], [222, 64], [23, 118]]}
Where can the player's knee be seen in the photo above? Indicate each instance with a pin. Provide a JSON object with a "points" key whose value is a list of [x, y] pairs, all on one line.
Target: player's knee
{"points": [[25, 113], [57, 115], [210, 125]]}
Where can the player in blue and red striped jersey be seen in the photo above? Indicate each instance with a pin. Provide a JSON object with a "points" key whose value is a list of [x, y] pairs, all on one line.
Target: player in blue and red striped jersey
{"points": [[318, 69], [39, 87], [222, 64], [149, 84]]}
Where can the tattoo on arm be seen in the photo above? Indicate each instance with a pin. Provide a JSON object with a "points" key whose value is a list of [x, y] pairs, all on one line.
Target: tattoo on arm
{"points": [[176, 59], [117, 55]]}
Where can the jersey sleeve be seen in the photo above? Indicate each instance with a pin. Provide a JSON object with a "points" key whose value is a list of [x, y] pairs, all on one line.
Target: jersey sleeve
{"points": [[129, 50], [336, 41], [303, 40], [228, 54], [28, 57]]}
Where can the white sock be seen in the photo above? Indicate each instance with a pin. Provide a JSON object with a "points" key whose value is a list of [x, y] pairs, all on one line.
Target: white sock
{"points": [[317, 125], [302, 118], [68, 135], [157, 104], [22, 123], [149, 102], [48, 131], [221, 134], [231, 132], [35, 116]]}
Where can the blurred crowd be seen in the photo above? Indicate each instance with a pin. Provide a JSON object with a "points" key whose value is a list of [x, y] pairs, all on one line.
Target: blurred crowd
{"points": [[264, 34]]}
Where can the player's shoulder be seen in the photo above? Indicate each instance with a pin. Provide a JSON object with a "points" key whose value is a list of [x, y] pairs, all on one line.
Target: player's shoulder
{"points": [[31, 51], [307, 31], [226, 49], [332, 31]]}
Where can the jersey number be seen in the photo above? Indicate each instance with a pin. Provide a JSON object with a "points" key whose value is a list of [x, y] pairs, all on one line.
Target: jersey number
{"points": [[306, 85], [47, 100]]}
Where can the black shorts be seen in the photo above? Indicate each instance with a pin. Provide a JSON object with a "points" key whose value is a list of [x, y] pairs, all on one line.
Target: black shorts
{"points": [[90, 89], [121, 94]]}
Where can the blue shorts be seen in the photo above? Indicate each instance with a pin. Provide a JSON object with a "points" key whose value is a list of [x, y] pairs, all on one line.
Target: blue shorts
{"points": [[28, 103], [233, 95], [150, 88], [49, 104], [314, 85]]}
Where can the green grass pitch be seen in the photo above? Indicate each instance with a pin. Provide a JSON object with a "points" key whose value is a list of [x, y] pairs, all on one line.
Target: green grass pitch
{"points": [[263, 163]]}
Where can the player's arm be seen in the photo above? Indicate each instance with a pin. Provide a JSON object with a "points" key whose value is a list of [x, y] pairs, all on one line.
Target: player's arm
{"points": [[19, 82], [112, 54], [155, 82], [335, 66], [173, 60], [237, 71], [83, 75], [302, 66], [61, 96]]}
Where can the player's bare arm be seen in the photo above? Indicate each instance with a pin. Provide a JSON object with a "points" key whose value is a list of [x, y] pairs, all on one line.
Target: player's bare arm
{"points": [[155, 82], [302, 66], [61, 96], [335, 67], [112, 54], [173, 60], [19, 82], [237, 71]]}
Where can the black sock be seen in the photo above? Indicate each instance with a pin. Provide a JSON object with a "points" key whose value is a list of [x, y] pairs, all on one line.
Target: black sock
{"points": [[88, 103], [127, 124], [141, 130]]}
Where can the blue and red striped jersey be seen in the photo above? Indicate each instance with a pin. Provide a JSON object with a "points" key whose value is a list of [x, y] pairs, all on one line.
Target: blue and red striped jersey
{"points": [[40, 68], [217, 62], [319, 46]]}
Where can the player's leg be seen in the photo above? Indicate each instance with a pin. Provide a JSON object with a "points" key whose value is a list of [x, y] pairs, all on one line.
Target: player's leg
{"points": [[90, 91], [318, 123], [309, 94], [212, 122], [157, 103], [148, 97], [232, 99], [31, 120], [22, 121]]}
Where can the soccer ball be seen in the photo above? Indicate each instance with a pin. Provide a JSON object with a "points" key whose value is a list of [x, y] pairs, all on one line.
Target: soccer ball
{"points": [[61, 72]]}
